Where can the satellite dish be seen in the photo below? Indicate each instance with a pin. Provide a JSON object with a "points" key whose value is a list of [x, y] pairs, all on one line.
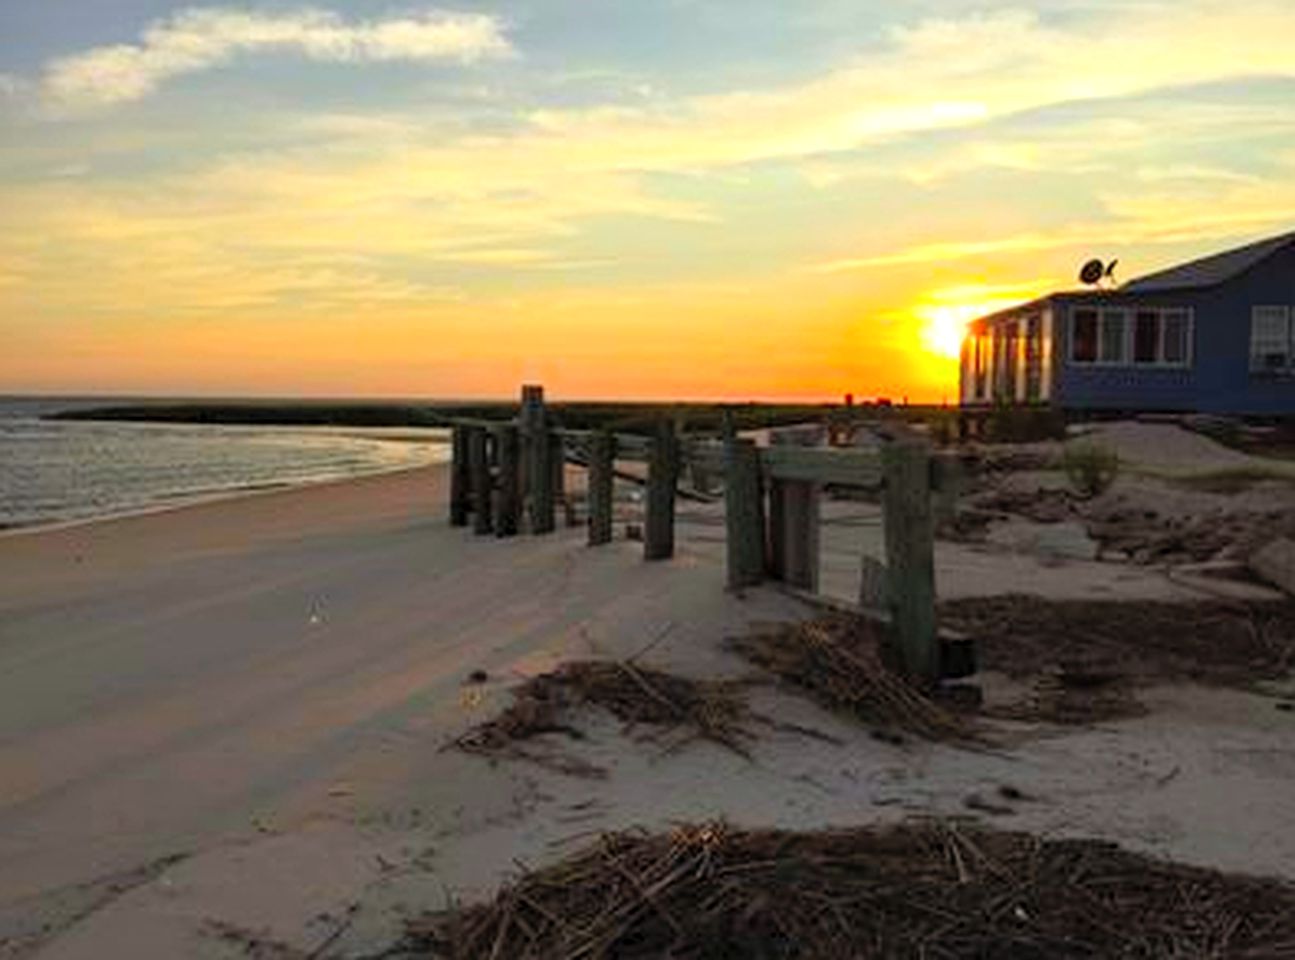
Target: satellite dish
{"points": [[1093, 271]]}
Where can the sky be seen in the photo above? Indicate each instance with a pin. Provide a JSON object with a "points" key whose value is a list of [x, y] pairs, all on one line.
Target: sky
{"points": [[730, 199]]}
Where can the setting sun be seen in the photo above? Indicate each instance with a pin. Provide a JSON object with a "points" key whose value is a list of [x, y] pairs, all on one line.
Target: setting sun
{"points": [[944, 327], [942, 315]]}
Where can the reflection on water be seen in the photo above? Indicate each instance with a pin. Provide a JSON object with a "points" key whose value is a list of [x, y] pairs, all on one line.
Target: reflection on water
{"points": [[68, 470]]}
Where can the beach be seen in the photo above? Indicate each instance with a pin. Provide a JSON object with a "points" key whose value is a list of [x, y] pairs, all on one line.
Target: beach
{"points": [[229, 723], [208, 675]]}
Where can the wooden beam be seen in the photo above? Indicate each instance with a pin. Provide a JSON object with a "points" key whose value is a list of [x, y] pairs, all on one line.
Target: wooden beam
{"points": [[794, 516], [633, 446], [537, 474], [557, 467], [479, 467], [542, 473], [508, 496], [602, 477], [460, 478], [841, 467], [910, 556], [743, 514], [663, 473]]}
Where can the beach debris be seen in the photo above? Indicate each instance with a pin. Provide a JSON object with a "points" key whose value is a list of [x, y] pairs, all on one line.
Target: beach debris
{"points": [[1275, 562], [920, 889], [838, 661], [1097, 643], [1075, 696], [1146, 537], [676, 709], [1086, 659], [1044, 505]]}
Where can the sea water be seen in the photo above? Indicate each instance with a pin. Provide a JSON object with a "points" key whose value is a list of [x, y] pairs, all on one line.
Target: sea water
{"points": [[62, 470]]}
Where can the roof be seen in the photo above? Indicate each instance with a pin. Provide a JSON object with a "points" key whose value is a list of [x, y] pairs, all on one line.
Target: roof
{"points": [[1211, 270]]}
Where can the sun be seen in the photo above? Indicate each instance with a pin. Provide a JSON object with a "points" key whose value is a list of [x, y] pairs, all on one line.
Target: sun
{"points": [[944, 326], [943, 315]]}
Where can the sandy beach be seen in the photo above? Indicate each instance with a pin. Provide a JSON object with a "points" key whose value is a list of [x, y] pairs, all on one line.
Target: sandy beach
{"points": [[229, 721]]}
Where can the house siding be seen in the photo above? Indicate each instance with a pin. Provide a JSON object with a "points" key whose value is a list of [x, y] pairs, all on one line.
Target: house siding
{"points": [[1219, 379]]}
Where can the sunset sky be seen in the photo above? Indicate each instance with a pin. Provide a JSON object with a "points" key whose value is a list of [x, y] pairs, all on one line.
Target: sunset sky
{"points": [[676, 198]]}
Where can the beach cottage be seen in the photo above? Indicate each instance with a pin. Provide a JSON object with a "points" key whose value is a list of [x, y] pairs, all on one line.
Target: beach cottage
{"points": [[1215, 335]]}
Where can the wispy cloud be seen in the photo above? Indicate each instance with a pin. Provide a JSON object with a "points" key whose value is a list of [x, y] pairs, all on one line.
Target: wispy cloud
{"points": [[1135, 219], [200, 39], [955, 250]]}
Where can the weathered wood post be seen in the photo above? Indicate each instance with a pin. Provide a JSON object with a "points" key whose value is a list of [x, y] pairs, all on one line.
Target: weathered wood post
{"points": [[460, 478], [602, 477], [775, 531], [541, 473], [508, 495], [479, 467], [663, 474], [536, 473], [743, 513], [794, 514], [797, 506], [910, 556], [558, 469]]}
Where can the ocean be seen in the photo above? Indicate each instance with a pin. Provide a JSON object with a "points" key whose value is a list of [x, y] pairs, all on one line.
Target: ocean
{"points": [[55, 471]]}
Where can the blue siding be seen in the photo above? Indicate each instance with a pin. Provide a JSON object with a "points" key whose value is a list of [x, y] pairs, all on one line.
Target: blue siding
{"points": [[1219, 380]]}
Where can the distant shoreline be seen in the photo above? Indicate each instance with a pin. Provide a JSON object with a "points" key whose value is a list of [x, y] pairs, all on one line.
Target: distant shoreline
{"points": [[628, 417]]}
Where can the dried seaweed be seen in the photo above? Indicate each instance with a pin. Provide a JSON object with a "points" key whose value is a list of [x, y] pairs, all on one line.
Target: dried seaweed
{"points": [[933, 890], [678, 708], [1087, 659], [839, 661], [1218, 643]]}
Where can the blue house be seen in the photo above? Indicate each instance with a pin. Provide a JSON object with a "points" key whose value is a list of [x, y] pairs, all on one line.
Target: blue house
{"points": [[1215, 335]]}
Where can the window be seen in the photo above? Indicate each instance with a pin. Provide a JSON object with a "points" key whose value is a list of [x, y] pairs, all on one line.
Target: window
{"points": [[1111, 349], [1175, 336], [1270, 340], [1146, 337], [1083, 337]]}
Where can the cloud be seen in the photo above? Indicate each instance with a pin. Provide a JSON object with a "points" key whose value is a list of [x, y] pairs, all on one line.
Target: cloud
{"points": [[1135, 219], [195, 40], [528, 190], [934, 76]]}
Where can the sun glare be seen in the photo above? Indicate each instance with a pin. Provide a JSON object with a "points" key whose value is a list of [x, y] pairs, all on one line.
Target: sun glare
{"points": [[943, 328], [942, 315]]}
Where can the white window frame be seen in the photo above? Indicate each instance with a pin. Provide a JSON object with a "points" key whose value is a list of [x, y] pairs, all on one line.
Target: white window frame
{"points": [[1128, 326], [1288, 317]]}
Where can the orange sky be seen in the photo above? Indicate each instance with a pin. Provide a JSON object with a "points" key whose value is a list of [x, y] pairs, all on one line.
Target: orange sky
{"points": [[704, 200]]}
